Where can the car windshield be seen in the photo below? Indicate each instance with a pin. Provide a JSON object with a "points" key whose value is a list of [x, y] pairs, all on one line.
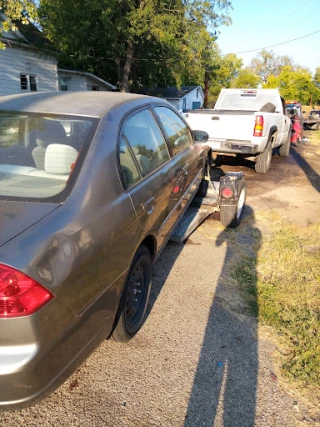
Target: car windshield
{"points": [[38, 153]]}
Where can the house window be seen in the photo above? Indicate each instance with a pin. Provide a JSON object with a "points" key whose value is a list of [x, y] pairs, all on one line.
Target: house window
{"points": [[63, 88], [95, 88], [28, 82], [198, 93], [196, 105]]}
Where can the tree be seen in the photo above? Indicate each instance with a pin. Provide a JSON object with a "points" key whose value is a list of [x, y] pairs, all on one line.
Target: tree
{"points": [[294, 84], [317, 77], [16, 10], [135, 42], [266, 63], [246, 79], [224, 70]]}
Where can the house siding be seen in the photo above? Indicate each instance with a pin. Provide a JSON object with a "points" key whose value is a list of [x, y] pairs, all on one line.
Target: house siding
{"points": [[78, 82], [15, 61], [186, 102], [74, 82], [195, 96], [92, 82], [176, 103]]}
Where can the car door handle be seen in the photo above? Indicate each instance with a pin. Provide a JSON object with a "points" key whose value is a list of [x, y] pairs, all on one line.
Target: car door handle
{"points": [[148, 207]]}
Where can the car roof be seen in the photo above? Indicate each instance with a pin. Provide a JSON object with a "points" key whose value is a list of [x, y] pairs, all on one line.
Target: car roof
{"points": [[88, 104]]}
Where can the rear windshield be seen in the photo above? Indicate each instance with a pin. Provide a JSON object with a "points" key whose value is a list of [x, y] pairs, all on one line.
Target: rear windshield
{"points": [[40, 153]]}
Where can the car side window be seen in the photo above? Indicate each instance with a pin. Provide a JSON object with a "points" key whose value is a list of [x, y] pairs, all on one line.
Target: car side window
{"points": [[146, 141], [177, 131], [129, 171]]}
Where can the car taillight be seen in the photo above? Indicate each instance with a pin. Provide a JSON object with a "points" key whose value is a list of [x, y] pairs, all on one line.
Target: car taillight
{"points": [[258, 127], [19, 294], [227, 192]]}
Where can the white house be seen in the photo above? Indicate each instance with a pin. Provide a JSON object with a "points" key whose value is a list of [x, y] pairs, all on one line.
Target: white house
{"points": [[29, 64], [75, 80], [183, 98]]}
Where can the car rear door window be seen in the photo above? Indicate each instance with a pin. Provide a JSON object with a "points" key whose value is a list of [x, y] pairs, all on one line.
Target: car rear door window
{"points": [[177, 131], [129, 172], [146, 141]]}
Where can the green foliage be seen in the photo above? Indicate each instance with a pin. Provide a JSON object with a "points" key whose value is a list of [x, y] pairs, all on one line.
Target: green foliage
{"points": [[246, 79], [16, 10], [146, 42], [294, 83], [266, 63], [224, 70], [316, 79]]}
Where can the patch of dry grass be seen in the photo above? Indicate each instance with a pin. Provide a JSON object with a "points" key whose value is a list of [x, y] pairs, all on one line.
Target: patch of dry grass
{"points": [[313, 137], [282, 284]]}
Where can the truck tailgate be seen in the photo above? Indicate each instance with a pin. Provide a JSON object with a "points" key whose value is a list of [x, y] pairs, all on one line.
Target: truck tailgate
{"points": [[223, 125]]}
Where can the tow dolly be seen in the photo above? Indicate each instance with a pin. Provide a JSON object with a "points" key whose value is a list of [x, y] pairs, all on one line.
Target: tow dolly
{"points": [[225, 194]]}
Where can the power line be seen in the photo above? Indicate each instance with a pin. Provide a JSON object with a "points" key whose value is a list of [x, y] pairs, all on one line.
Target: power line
{"points": [[292, 13], [278, 44]]}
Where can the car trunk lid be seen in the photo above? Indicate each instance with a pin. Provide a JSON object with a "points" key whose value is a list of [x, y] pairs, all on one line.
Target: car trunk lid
{"points": [[16, 217]]}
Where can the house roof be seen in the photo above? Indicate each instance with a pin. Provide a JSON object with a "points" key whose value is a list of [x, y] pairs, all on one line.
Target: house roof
{"points": [[27, 35], [34, 36], [171, 92], [85, 73]]}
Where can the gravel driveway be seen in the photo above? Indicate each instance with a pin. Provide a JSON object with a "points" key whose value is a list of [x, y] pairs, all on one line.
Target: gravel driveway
{"points": [[201, 359]]}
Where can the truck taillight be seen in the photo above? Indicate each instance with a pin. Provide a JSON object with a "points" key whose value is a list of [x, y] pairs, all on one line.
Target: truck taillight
{"points": [[19, 294], [258, 127]]}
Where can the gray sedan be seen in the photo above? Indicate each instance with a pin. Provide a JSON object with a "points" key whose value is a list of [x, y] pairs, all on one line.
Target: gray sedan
{"points": [[91, 187]]}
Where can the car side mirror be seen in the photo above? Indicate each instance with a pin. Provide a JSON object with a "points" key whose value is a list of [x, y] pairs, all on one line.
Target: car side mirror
{"points": [[200, 136]]}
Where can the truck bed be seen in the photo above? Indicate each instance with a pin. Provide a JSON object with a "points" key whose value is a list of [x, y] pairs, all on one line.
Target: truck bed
{"points": [[222, 125]]}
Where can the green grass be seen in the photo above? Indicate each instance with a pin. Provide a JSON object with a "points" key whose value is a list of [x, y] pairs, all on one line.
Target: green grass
{"points": [[282, 286]]}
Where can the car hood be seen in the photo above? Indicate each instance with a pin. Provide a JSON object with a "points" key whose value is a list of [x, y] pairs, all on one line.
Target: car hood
{"points": [[16, 217]]}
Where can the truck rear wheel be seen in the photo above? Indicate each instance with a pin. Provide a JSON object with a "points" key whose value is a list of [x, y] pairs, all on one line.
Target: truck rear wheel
{"points": [[285, 148], [264, 160]]}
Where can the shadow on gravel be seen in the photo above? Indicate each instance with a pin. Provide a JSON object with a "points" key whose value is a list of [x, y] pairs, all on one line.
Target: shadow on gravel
{"points": [[310, 173], [225, 381]]}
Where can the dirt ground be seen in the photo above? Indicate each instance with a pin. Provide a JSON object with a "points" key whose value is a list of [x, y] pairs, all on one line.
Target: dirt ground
{"points": [[201, 359], [291, 186]]}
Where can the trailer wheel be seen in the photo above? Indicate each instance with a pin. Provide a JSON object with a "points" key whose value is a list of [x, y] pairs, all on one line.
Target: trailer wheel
{"points": [[230, 215], [285, 148], [264, 160]]}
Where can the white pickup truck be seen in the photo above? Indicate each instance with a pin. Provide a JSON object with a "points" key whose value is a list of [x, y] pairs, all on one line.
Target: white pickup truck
{"points": [[246, 122]]}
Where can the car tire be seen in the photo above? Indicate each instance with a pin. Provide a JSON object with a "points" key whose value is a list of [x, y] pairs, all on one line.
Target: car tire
{"points": [[230, 215], [284, 149], [135, 297], [264, 160]]}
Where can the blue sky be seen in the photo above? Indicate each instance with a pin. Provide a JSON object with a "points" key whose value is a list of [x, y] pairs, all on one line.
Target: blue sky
{"points": [[260, 23]]}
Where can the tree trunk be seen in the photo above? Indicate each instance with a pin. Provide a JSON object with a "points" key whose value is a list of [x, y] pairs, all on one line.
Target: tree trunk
{"points": [[125, 84], [118, 70], [206, 88]]}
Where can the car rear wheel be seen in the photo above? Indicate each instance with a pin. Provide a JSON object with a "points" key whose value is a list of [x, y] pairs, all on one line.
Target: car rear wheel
{"points": [[135, 297], [285, 148], [264, 160], [230, 216]]}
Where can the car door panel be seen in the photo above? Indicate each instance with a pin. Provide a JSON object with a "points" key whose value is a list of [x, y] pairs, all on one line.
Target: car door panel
{"points": [[189, 155], [147, 149]]}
